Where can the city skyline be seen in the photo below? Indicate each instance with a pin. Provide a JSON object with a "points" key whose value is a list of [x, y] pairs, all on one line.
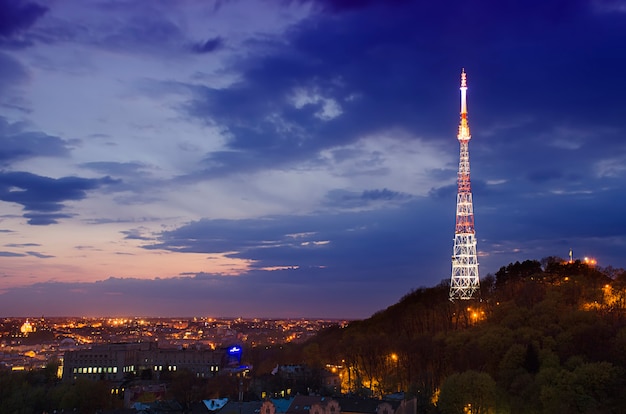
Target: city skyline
{"points": [[297, 159]]}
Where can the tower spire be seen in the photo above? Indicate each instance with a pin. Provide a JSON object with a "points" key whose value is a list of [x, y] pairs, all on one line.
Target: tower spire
{"points": [[464, 131], [465, 281]]}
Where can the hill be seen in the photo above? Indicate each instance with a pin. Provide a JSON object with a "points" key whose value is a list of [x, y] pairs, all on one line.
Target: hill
{"points": [[545, 336]]}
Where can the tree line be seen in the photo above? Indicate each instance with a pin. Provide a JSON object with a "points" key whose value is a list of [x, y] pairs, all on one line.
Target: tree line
{"points": [[544, 336]]}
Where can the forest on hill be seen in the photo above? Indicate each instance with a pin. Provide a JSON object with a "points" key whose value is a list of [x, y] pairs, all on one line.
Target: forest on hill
{"points": [[545, 336]]}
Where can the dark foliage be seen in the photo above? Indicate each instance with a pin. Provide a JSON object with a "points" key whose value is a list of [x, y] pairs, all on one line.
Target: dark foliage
{"points": [[541, 330]]}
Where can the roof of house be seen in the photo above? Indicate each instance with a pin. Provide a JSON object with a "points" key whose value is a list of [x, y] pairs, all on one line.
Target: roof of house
{"points": [[301, 404], [281, 404], [244, 407], [362, 405]]}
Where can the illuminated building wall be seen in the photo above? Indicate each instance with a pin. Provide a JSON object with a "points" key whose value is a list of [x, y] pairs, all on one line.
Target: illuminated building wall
{"points": [[114, 362]]}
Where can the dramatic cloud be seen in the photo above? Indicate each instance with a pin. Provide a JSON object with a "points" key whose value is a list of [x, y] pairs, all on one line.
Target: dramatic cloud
{"points": [[273, 114], [19, 144], [267, 157], [42, 197], [18, 15]]}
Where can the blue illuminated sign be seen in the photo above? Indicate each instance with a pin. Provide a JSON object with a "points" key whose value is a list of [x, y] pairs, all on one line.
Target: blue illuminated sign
{"points": [[234, 350]]}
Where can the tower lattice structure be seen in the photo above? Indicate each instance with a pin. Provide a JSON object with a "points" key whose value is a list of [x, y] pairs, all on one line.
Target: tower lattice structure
{"points": [[465, 281]]}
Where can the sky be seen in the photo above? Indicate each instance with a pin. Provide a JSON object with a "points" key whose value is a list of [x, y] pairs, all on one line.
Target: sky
{"points": [[275, 158]]}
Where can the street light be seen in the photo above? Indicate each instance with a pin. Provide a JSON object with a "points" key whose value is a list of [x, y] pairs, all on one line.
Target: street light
{"points": [[394, 357]]}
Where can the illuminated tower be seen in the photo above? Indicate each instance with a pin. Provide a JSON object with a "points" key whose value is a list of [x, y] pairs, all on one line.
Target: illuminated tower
{"points": [[465, 281]]}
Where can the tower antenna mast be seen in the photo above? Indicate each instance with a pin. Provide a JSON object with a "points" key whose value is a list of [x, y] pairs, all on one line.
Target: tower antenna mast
{"points": [[465, 281]]}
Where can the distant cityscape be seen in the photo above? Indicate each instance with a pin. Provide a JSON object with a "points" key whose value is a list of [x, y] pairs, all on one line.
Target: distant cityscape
{"points": [[30, 343]]}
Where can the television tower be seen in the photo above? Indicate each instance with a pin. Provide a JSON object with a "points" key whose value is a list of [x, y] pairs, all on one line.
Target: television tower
{"points": [[465, 281]]}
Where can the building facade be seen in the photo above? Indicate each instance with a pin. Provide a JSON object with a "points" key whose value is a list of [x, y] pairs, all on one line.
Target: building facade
{"points": [[116, 362]]}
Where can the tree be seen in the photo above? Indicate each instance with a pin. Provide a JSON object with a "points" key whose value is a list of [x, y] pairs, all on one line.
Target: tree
{"points": [[587, 388], [531, 359], [468, 392]]}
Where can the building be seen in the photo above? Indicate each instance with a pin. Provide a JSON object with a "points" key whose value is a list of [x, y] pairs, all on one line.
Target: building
{"points": [[309, 404], [116, 362]]}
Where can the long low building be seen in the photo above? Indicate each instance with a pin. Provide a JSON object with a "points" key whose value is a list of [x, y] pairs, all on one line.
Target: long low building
{"points": [[116, 362]]}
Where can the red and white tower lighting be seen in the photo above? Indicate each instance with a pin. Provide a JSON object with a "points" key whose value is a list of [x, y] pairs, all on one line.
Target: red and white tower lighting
{"points": [[465, 281]]}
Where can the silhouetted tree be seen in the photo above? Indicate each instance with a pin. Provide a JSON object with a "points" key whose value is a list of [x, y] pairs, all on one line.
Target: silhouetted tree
{"points": [[469, 392], [531, 359]]}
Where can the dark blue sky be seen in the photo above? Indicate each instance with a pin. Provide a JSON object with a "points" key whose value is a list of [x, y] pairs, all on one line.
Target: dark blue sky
{"points": [[297, 158]]}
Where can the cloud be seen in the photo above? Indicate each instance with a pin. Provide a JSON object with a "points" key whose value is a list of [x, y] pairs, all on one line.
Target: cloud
{"points": [[19, 144], [11, 70], [342, 6], [356, 243], [152, 30], [117, 169], [39, 255], [302, 93], [208, 46], [282, 292], [137, 234], [609, 6], [11, 254], [23, 245], [42, 197], [344, 199], [135, 184], [144, 32], [44, 219], [319, 143], [412, 233], [18, 15]]}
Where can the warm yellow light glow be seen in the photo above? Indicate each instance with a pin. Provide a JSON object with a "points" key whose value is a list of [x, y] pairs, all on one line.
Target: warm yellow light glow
{"points": [[590, 261], [435, 398], [26, 328]]}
